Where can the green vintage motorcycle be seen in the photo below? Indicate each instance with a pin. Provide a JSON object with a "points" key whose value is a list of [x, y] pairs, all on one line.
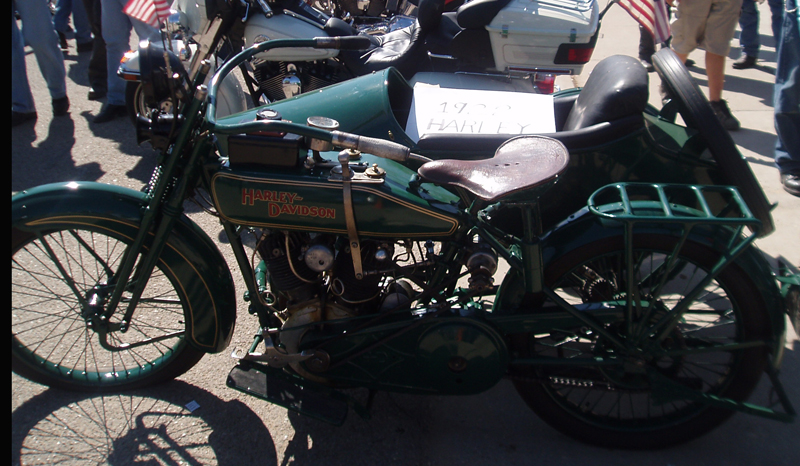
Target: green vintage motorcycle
{"points": [[642, 318]]}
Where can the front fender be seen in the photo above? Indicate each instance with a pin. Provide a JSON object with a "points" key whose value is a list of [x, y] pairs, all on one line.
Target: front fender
{"points": [[583, 228], [190, 254]]}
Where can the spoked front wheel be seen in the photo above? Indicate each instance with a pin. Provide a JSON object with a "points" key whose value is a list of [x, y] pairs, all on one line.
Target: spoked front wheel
{"points": [[60, 278], [639, 400]]}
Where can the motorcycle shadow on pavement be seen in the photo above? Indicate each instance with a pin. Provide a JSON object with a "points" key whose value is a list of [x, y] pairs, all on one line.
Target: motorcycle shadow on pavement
{"points": [[496, 427], [174, 423], [394, 434]]}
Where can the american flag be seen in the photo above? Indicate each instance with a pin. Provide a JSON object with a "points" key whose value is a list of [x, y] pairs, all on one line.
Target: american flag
{"points": [[652, 15], [151, 12]]}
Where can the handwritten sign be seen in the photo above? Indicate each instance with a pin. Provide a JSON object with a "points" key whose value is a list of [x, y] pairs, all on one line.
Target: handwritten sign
{"points": [[469, 111]]}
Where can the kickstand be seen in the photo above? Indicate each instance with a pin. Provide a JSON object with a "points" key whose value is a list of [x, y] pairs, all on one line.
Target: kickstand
{"points": [[777, 387], [364, 410]]}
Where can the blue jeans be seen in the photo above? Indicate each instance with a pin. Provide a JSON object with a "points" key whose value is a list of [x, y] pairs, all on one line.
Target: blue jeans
{"points": [[117, 28], [39, 33], [749, 38], [65, 8], [786, 98]]}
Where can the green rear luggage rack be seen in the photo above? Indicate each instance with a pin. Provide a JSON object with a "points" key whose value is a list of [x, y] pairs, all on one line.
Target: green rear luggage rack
{"points": [[680, 204], [677, 203]]}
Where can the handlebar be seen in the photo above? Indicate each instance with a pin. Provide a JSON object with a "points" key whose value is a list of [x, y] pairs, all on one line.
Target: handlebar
{"points": [[340, 43]]}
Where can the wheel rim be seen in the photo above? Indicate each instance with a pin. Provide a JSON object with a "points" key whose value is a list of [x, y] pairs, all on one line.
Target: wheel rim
{"points": [[621, 397], [50, 328]]}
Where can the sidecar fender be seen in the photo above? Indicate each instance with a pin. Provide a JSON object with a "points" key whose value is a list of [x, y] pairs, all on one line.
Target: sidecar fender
{"points": [[583, 227], [190, 254]]}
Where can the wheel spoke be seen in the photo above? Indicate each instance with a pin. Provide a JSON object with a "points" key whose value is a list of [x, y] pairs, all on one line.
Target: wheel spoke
{"points": [[54, 273], [711, 349]]}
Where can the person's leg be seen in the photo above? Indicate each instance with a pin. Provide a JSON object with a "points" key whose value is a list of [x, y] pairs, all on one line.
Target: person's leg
{"points": [[749, 39], [786, 101], [61, 16], [776, 10], [748, 23], [97, 64], [21, 97], [117, 28], [39, 32], [689, 27], [719, 31], [715, 70], [116, 34], [83, 28]]}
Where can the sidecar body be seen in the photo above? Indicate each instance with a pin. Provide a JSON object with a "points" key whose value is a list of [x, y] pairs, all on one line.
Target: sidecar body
{"points": [[610, 130]]}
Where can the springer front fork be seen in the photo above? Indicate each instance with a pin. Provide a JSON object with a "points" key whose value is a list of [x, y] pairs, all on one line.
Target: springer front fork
{"points": [[165, 206]]}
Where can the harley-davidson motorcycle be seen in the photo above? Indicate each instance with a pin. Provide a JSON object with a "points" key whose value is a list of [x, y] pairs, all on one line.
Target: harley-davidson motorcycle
{"points": [[364, 11], [643, 318], [503, 41]]}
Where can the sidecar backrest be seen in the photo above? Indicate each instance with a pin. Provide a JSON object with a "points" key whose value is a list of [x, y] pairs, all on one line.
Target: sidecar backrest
{"points": [[478, 13], [429, 14], [616, 88]]}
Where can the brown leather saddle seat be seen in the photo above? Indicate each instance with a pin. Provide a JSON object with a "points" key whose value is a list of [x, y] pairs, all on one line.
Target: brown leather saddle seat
{"points": [[519, 166]]}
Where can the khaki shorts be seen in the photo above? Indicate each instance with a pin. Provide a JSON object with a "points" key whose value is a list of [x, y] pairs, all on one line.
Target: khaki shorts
{"points": [[708, 24]]}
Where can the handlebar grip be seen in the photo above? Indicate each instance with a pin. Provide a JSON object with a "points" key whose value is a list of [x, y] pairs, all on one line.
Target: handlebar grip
{"points": [[380, 147], [342, 43]]}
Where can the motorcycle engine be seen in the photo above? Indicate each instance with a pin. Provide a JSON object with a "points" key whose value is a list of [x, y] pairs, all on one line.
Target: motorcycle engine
{"points": [[300, 266], [280, 80]]}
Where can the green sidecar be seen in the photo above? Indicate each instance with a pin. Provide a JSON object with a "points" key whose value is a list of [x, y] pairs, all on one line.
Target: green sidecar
{"points": [[610, 130]]}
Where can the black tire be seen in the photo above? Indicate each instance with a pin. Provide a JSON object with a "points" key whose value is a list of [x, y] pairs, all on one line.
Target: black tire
{"points": [[697, 114], [616, 407], [134, 100], [51, 342]]}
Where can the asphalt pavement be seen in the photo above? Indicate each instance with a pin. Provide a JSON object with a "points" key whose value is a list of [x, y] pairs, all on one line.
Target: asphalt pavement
{"points": [[198, 420]]}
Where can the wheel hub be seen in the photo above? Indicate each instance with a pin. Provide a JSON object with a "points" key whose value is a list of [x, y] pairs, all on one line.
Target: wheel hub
{"points": [[93, 310]]}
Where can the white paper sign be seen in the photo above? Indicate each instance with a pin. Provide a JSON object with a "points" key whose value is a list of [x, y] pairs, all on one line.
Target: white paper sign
{"points": [[468, 111]]}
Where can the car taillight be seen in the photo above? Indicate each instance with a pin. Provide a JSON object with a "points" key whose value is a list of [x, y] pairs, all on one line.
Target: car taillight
{"points": [[576, 54]]}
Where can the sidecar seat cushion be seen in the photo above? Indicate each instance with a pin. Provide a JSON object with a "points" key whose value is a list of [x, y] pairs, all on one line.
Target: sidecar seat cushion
{"points": [[520, 165], [616, 88]]}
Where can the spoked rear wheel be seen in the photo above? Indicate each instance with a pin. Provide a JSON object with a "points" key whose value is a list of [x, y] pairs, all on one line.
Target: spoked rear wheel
{"points": [[59, 279], [616, 406]]}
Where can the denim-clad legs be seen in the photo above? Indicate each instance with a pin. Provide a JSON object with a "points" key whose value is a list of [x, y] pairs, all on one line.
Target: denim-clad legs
{"points": [[749, 38], [787, 93], [117, 28], [83, 29], [39, 33]]}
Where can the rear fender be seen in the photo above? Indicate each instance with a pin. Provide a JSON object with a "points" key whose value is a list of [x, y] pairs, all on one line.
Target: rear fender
{"points": [[583, 227], [190, 254]]}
